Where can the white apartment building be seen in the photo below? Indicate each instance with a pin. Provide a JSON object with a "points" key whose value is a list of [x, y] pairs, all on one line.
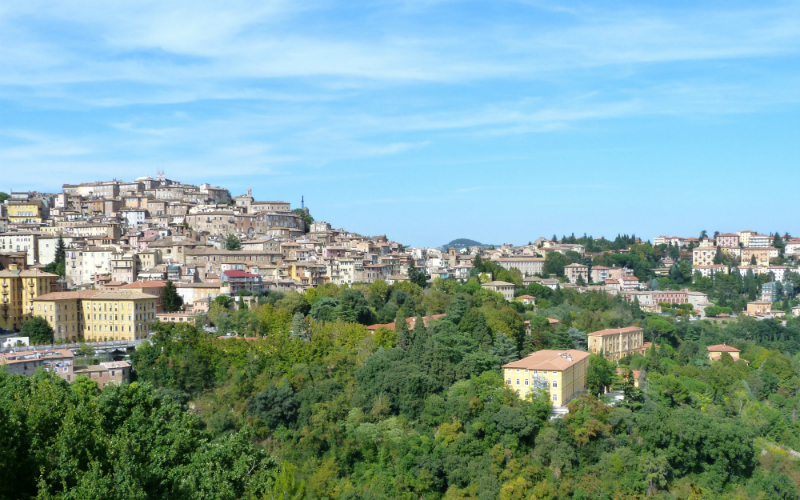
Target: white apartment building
{"points": [[21, 242], [527, 265]]}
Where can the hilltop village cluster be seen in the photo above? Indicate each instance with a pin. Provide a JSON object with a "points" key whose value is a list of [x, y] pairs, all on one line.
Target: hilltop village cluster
{"points": [[122, 244]]}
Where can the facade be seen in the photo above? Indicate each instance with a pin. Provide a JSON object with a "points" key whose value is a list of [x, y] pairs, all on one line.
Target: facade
{"points": [[710, 270], [715, 352], [760, 241], [527, 265], [561, 373], [111, 372], [670, 296], [18, 289], [27, 362], [616, 343], [63, 312], [507, 289], [241, 281], [118, 315], [149, 287], [762, 255], [758, 308], [703, 256], [728, 240], [744, 237], [21, 242], [575, 271]]}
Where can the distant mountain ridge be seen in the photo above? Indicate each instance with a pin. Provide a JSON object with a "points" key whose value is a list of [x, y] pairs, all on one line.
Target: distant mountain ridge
{"points": [[463, 243]]}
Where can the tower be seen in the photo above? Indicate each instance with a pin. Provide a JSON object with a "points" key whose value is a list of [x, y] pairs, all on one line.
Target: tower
{"points": [[302, 202]]}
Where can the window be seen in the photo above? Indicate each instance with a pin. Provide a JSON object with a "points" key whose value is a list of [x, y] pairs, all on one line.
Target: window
{"points": [[509, 381], [555, 397], [555, 373], [517, 381], [555, 384], [526, 381]]}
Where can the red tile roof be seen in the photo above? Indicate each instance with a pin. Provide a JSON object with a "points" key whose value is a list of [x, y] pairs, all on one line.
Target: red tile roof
{"points": [[239, 274], [612, 331], [721, 348]]}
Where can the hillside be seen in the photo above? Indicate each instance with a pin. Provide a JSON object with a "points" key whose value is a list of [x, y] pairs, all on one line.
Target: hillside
{"points": [[463, 243]]}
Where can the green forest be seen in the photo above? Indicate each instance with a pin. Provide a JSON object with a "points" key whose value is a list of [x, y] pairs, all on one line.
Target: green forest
{"points": [[300, 400]]}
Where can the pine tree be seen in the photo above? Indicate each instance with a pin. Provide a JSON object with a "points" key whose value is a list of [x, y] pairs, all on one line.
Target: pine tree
{"points": [[420, 339], [401, 328], [172, 301], [562, 339], [505, 348], [61, 251], [299, 326], [232, 242], [481, 333]]}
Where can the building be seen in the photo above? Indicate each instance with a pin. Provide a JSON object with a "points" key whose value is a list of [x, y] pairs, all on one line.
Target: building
{"points": [[629, 283], [63, 312], [710, 270], [18, 289], [177, 317], [118, 315], [576, 272], [527, 300], [242, 281], [599, 274], [744, 237], [728, 240], [561, 373], [110, 372], [528, 266], [715, 352], [760, 241], [191, 292], [762, 255], [670, 296], [24, 212], [616, 343], [149, 287], [703, 255], [21, 242], [758, 308], [503, 287], [26, 362]]}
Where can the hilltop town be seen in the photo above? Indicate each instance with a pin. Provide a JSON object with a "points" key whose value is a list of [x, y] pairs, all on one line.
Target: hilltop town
{"points": [[135, 236]]}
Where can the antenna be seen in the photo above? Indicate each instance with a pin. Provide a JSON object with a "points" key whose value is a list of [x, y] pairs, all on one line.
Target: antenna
{"points": [[302, 202]]}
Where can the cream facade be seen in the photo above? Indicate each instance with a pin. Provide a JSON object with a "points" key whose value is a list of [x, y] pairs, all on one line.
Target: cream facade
{"points": [[18, 289], [561, 373], [616, 343], [503, 287]]}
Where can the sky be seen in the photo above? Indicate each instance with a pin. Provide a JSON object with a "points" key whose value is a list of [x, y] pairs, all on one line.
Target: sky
{"points": [[423, 120]]}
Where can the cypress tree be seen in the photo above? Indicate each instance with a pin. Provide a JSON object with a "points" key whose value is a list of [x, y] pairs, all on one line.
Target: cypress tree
{"points": [[172, 301]]}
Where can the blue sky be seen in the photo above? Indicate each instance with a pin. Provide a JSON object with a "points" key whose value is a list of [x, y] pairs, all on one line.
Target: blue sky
{"points": [[424, 120]]}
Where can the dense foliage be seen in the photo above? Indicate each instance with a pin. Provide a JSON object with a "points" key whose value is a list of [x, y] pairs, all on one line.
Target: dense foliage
{"points": [[416, 411]]}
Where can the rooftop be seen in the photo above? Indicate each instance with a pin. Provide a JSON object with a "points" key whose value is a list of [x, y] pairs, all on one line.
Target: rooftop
{"points": [[613, 331], [547, 359]]}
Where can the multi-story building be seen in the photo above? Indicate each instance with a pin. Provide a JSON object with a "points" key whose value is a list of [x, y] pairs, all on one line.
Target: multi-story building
{"points": [[599, 274], [616, 343], [24, 212], [58, 361], [562, 374], [118, 315], [670, 296], [27, 242], [528, 266], [703, 255], [109, 372], [710, 270], [715, 352], [63, 312], [192, 292], [82, 265], [575, 271], [728, 240], [18, 289], [109, 189], [762, 255], [744, 237], [240, 280], [760, 241], [149, 287], [503, 287], [125, 267]]}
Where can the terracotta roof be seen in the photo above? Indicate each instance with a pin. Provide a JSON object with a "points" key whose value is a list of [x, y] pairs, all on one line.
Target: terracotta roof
{"points": [[547, 359], [721, 348], [411, 322], [146, 284], [85, 294], [122, 295], [240, 274], [526, 297], [612, 331]]}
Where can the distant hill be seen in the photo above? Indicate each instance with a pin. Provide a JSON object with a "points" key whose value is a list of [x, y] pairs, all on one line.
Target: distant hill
{"points": [[464, 243]]}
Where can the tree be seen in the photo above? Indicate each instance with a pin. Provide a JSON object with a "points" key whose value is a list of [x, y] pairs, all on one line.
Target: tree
{"points": [[286, 485], [232, 242], [753, 261], [299, 326], [505, 348], [703, 234], [417, 276], [38, 331], [223, 300], [59, 264], [4, 196], [600, 374], [85, 350], [172, 301], [554, 264], [305, 217]]}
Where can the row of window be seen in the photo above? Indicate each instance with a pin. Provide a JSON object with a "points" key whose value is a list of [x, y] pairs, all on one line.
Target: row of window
{"points": [[527, 382], [536, 372]]}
